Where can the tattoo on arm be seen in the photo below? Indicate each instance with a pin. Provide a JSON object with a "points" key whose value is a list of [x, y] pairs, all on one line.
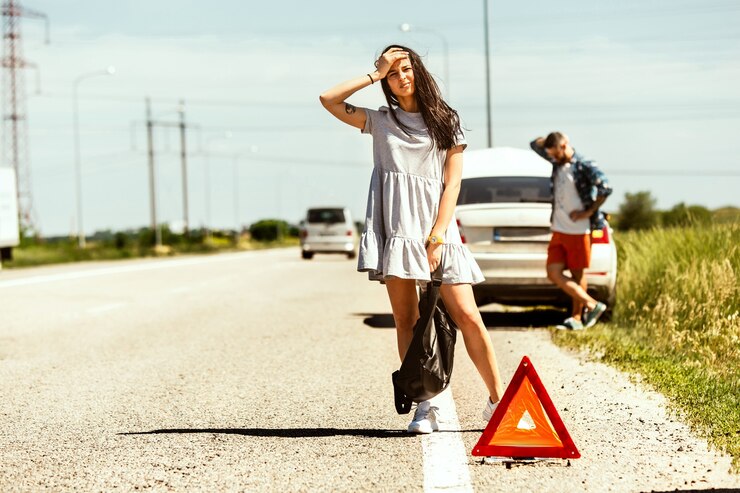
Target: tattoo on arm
{"points": [[349, 109]]}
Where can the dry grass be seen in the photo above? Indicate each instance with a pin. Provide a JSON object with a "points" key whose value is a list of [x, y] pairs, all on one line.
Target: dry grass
{"points": [[678, 324]]}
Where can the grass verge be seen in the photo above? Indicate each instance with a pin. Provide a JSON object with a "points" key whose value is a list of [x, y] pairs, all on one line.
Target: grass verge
{"points": [[64, 252], [678, 325]]}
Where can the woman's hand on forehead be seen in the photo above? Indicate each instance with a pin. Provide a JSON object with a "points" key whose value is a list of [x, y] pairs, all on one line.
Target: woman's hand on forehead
{"points": [[396, 49], [388, 58]]}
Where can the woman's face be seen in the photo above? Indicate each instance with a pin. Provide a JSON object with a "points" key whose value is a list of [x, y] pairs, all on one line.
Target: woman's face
{"points": [[401, 78]]}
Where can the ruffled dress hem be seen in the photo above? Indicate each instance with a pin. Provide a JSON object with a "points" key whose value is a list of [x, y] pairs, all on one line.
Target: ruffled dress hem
{"points": [[406, 258]]}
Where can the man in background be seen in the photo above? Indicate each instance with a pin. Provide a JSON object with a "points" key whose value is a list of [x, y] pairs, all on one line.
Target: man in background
{"points": [[579, 188]]}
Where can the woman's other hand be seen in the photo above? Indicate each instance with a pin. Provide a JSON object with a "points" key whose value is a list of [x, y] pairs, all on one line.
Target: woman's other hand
{"points": [[434, 256]]}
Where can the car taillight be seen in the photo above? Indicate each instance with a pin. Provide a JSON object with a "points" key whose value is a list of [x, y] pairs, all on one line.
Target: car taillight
{"points": [[349, 232], [459, 227], [304, 233], [600, 236]]}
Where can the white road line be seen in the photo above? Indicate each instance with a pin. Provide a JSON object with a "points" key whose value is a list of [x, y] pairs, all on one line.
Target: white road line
{"points": [[445, 458], [153, 265], [190, 287], [183, 289], [104, 308]]}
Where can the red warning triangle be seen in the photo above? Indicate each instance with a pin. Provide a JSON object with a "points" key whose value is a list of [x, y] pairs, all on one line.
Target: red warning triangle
{"points": [[525, 423]]}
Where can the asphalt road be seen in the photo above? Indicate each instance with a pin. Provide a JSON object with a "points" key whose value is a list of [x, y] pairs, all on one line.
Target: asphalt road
{"points": [[260, 371]]}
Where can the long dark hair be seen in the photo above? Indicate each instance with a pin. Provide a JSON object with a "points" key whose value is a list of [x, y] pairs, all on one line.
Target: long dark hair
{"points": [[442, 121]]}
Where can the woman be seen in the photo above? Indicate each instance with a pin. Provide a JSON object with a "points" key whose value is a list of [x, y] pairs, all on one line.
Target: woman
{"points": [[410, 227]]}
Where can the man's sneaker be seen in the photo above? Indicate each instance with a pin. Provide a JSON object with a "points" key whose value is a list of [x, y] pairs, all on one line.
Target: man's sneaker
{"points": [[570, 324], [425, 418], [589, 320], [490, 408]]}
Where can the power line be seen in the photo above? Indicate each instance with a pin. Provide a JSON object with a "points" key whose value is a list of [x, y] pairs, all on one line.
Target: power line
{"points": [[346, 164], [570, 119], [57, 129], [312, 105]]}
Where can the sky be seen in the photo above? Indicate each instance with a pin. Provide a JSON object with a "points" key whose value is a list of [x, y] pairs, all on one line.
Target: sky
{"points": [[648, 89]]}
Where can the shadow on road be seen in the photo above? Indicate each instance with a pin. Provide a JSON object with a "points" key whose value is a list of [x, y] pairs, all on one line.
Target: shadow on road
{"points": [[292, 432], [377, 320], [524, 319], [531, 318]]}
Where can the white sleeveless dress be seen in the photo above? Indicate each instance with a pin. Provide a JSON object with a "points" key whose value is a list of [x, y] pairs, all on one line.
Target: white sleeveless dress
{"points": [[405, 190]]}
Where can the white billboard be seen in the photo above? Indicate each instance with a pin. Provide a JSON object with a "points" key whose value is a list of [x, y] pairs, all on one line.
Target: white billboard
{"points": [[9, 228]]}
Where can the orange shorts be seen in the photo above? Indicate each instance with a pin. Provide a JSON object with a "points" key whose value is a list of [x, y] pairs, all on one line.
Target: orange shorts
{"points": [[572, 250]]}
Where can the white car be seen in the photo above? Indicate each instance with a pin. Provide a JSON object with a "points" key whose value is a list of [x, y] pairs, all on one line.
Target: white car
{"points": [[504, 216], [328, 230]]}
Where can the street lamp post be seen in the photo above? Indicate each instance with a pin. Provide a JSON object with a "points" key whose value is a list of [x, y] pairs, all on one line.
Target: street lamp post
{"points": [[406, 27], [78, 171], [488, 74]]}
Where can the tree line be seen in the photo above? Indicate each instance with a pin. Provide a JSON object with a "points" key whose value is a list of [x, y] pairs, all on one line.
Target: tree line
{"points": [[638, 212]]}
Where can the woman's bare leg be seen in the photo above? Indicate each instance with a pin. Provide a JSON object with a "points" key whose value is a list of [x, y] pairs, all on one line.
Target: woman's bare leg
{"points": [[460, 303], [405, 306]]}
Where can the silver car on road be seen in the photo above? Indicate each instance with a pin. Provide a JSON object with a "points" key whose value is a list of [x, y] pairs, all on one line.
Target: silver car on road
{"points": [[328, 230]]}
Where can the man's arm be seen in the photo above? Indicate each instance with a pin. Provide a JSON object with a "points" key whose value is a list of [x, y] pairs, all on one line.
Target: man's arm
{"points": [[598, 180], [538, 146], [587, 213], [603, 190]]}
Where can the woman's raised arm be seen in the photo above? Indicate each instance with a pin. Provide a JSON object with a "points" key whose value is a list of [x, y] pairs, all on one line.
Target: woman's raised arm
{"points": [[334, 100]]}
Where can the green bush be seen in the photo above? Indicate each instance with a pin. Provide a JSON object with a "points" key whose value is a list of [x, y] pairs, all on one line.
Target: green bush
{"points": [[683, 215], [146, 239], [269, 230], [637, 212], [725, 215], [120, 241]]}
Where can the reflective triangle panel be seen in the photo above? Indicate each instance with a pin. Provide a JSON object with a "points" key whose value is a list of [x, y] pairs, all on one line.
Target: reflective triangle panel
{"points": [[526, 423]]}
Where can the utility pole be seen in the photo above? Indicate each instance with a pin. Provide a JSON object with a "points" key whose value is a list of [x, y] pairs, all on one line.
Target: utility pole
{"points": [[235, 192], [183, 159], [150, 124], [152, 174], [488, 75], [15, 123]]}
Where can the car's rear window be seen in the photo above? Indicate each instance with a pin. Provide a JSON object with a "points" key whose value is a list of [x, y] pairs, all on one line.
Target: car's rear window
{"points": [[328, 216], [492, 189]]}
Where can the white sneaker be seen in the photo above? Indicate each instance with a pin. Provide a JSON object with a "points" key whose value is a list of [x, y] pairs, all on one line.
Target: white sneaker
{"points": [[425, 418], [490, 408]]}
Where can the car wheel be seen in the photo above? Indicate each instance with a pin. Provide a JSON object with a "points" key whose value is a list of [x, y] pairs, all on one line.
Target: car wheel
{"points": [[351, 255], [307, 255]]}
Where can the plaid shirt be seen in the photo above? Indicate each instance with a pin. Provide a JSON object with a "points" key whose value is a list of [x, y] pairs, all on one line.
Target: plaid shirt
{"points": [[590, 183]]}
